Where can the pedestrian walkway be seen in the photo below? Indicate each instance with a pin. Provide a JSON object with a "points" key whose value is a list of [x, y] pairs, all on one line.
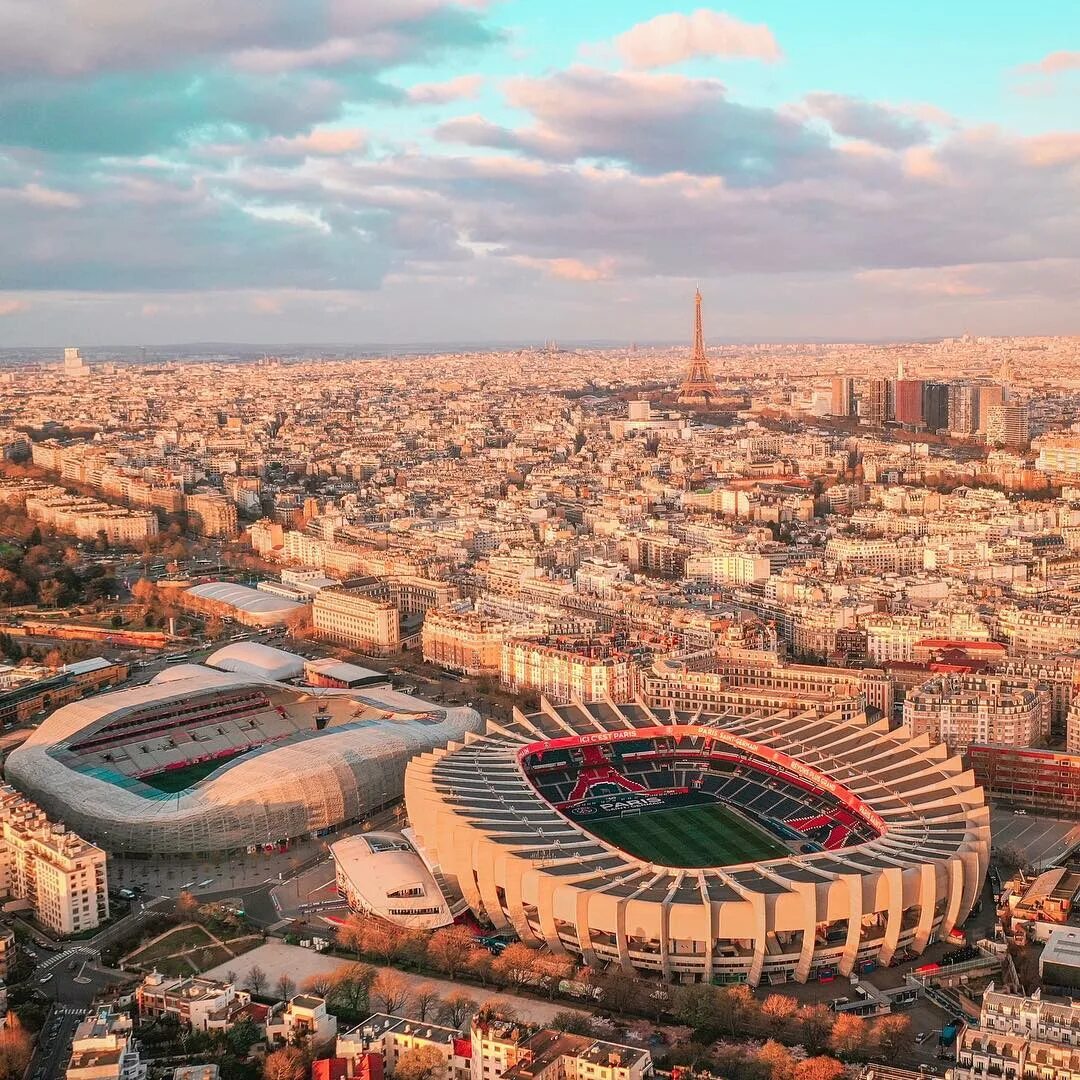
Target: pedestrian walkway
{"points": [[66, 957], [277, 959]]}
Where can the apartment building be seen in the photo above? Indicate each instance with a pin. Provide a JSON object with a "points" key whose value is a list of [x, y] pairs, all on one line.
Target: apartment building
{"points": [[8, 954], [467, 641], [303, 1019], [732, 567], [103, 1048], [1008, 425], [564, 668], [745, 685], [196, 1002], [61, 876], [517, 1051], [350, 617], [897, 637], [30, 689], [961, 709], [873, 556], [212, 514], [87, 518], [1020, 1038], [1036, 632], [1039, 781], [418, 595], [391, 1037]]}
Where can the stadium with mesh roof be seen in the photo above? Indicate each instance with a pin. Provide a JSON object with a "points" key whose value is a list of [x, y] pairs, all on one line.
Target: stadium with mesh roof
{"points": [[759, 847], [201, 762]]}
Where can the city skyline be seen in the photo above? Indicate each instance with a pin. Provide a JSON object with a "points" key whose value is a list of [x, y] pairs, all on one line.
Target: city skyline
{"points": [[447, 172]]}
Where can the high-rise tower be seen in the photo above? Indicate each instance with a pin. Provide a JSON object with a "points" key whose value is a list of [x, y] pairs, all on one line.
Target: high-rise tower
{"points": [[699, 384]]}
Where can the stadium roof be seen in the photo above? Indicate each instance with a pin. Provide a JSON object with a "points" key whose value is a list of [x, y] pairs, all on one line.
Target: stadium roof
{"points": [[306, 774], [251, 658], [242, 598]]}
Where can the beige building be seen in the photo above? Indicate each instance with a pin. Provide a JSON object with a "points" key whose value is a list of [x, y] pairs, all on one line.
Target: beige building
{"points": [[212, 514], [1021, 1038], [61, 876], [348, 617], [514, 1050], [417, 595], [104, 1049], [589, 669], [1008, 425], [200, 1003], [902, 864], [8, 955], [303, 1020], [87, 518], [753, 683], [468, 641], [393, 1036], [1037, 632], [961, 709]]}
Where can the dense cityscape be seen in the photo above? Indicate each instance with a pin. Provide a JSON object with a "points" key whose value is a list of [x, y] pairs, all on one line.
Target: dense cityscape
{"points": [[539, 542]]}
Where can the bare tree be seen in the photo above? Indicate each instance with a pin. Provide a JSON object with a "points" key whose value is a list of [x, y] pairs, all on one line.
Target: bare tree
{"points": [[390, 991], [255, 979], [285, 987], [420, 1063], [449, 949], [288, 1063], [425, 999], [456, 1009]]}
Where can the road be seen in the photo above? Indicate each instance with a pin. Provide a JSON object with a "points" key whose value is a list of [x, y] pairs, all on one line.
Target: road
{"points": [[71, 980]]}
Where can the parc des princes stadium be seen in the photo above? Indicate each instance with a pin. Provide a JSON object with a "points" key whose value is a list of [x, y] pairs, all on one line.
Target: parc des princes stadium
{"points": [[202, 761], [761, 848]]}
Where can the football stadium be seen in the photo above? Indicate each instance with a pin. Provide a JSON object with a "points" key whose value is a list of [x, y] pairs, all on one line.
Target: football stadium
{"points": [[724, 848], [203, 762]]}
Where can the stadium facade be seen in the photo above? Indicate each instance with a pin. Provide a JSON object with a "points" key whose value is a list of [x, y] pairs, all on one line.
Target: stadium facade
{"points": [[835, 844], [202, 762]]}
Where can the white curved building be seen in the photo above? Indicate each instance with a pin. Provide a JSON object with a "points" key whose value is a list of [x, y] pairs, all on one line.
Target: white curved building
{"points": [[203, 762], [876, 843], [381, 874], [252, 607], [253, 658]]}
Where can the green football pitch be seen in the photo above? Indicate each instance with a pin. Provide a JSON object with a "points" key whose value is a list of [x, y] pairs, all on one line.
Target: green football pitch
{"points": [[689, 836], [174, 781]]}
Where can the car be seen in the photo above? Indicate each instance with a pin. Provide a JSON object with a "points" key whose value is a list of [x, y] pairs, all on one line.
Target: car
{"points": [[46, 977], [203, 884], [1020, 813], [187, 885], [921, 1037]]}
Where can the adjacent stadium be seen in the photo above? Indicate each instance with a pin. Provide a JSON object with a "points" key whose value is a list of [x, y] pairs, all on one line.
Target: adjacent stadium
{"points": [[203, 762], [723, 848]]}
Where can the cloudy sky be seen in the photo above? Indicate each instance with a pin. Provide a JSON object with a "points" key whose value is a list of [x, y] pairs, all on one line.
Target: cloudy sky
{"points": [[441, 170]]}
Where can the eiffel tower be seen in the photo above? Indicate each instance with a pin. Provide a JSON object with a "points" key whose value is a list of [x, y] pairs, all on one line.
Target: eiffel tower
{"points": [[699, 384]]}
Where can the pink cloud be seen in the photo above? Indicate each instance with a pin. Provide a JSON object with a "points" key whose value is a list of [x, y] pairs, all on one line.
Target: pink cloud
{"points": [[944, 282], [13, 307], [1052, 64], [670, 39], [439, 93], [322, 142], [1056, 148], [568, 269], [266, 305]]}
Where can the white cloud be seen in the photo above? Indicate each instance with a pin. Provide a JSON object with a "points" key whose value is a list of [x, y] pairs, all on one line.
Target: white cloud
{"points": [[673, 38]]}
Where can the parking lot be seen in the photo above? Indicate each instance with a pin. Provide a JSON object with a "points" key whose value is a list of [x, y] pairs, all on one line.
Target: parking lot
{"points": [[1042, 839]]}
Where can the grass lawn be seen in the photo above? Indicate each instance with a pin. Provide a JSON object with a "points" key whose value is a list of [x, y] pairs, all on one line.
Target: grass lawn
{"points": [[176, 780], [689, 836], [189, 937]]}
